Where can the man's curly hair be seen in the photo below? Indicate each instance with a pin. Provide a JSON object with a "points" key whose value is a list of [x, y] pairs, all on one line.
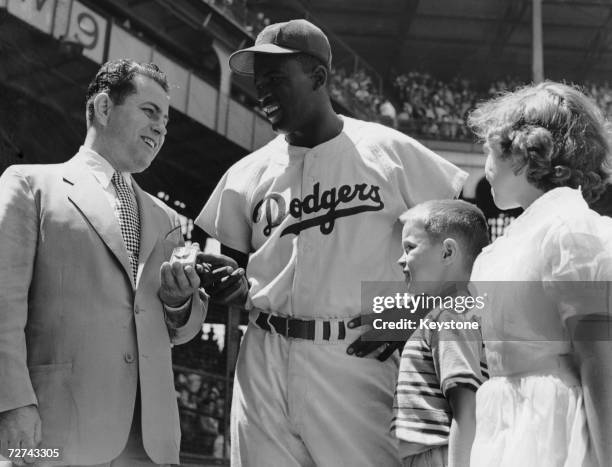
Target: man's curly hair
{"points": [[115, 77], [552, 129]]}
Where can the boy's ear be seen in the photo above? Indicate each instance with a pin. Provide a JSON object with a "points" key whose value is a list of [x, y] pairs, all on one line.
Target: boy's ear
{"points": [[450, 250]]}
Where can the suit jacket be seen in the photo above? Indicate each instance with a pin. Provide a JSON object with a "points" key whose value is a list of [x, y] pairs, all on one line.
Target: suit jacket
{"points": [[75, 335]]}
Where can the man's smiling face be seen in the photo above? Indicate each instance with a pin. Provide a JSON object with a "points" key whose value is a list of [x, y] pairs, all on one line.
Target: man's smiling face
{"points": [[136, 128]]}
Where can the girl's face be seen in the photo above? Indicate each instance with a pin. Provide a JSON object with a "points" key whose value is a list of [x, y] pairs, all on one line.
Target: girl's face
{"points": [[506, 185]]}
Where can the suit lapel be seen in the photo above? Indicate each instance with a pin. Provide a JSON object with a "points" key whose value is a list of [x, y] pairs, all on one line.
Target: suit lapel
{"points": [[87, 195]]}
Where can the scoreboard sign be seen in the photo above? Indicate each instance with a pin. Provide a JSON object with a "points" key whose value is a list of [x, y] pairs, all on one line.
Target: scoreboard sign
{"points": [[38, 13], [65, 19], [89, 29], [78, 23]]}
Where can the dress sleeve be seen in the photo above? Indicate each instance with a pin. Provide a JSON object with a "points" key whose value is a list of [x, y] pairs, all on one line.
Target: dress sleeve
{"points": [[579, 268], [224, 215]]}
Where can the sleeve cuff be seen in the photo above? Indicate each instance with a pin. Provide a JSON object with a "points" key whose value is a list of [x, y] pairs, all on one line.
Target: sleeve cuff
{"points": [[177, 316], [184, 306]]}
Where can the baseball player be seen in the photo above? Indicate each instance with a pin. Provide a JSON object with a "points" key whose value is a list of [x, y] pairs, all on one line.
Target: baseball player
{"points": [[315, 213]]}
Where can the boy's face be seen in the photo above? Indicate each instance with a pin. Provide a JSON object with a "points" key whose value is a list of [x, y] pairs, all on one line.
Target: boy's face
{"points": [[422, 260]]}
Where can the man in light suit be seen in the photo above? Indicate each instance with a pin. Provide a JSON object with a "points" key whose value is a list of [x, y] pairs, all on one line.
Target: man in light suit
{"points": [[89, 305]]}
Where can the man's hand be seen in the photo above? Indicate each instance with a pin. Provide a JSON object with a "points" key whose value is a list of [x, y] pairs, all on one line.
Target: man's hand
{"points": [[19, 429], [386, 341], [222, 279], [178, 283]]}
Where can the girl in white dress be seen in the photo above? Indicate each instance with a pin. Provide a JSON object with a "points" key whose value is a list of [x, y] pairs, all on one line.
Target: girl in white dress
{"points": [[546, 281]]}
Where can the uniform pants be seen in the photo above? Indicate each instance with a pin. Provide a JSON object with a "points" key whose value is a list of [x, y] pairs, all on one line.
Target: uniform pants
{"points": [[301, 403]]}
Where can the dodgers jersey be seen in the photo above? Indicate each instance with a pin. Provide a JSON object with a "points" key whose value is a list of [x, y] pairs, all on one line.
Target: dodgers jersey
{"points": [[319, 221]]}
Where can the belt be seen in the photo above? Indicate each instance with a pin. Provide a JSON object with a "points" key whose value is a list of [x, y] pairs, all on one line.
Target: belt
{"points": [[300, 328]]}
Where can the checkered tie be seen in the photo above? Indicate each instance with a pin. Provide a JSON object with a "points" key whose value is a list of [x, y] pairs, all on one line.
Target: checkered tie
{"points": [[129, 220]]}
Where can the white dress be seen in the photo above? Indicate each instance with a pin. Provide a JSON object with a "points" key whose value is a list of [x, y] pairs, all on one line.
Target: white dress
{"points": [[532, 279]]}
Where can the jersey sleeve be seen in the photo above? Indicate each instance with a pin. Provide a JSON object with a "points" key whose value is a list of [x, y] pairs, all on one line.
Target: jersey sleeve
{"points": [[457, 353], [423, 175], [224, 215], [579, 271]]}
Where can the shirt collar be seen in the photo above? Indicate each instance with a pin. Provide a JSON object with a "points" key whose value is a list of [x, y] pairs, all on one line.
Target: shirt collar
{"points": [[100, 167]]}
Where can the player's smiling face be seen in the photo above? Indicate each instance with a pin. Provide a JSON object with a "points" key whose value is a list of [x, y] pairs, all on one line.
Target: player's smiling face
{"points": [[284, 91], [421, 261]]}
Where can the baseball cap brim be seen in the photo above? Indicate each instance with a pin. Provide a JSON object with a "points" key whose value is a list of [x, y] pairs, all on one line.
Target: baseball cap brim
{"points": [[241, 62]]}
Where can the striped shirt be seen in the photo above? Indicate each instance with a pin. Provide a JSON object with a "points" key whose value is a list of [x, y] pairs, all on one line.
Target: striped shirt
{"points": [[432, 363]]}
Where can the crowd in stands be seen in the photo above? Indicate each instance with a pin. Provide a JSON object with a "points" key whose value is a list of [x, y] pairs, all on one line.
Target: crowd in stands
{"points": [[201, 394], [201, 401], [602, 93], [252, 21], [202, 352], [356, 89], [432, 108]]}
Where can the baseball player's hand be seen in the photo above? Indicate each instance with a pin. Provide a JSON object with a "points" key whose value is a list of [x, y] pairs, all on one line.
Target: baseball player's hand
{"points": [[362, 346], [382, 340], [19, 429], [178, 283], [222, 279]]}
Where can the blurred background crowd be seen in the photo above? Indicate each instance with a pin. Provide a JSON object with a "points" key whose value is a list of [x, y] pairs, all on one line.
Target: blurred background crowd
{"points": [[422, 105]]}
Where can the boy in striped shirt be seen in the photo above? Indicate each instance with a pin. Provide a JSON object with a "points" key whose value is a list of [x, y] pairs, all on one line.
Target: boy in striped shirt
{"points": [[442, 364]]}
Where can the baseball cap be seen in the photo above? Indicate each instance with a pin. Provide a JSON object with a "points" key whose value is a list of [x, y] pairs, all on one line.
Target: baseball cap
{"points": [[291, 37]]}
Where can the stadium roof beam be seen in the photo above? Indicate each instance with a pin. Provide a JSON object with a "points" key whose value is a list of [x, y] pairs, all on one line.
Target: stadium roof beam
{"points": [[202, 22], [284, 10], [463, 42], [356, 10], [598, 45], [595, 4], [152, 24], [547, 23], [404, 21], [506, 25]]}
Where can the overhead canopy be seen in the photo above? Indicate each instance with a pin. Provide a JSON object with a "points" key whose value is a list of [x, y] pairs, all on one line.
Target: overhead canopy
{"points": [[478, 39]]}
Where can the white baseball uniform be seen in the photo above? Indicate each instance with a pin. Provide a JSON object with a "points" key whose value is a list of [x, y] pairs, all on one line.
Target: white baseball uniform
{"points": [[316, 223]]}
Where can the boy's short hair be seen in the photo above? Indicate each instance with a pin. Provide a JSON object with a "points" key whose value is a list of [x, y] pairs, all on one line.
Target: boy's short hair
{"points": [[448, 218]]}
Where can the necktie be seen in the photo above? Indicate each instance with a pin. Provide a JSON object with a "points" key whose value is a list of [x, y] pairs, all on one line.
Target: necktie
{"points": [[129, 220]]}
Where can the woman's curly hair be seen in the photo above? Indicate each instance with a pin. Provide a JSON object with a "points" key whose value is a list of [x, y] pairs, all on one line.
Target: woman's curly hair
{"points": [[552, 129]]}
